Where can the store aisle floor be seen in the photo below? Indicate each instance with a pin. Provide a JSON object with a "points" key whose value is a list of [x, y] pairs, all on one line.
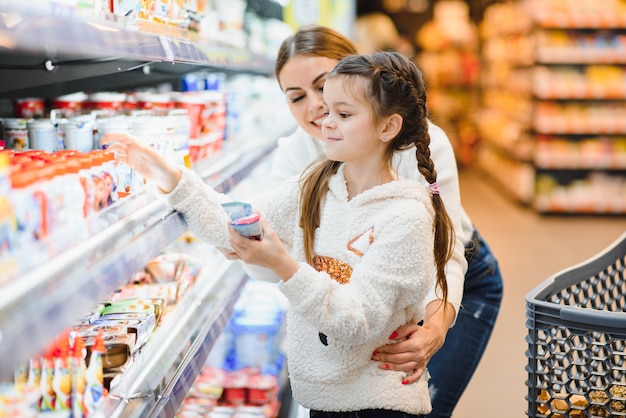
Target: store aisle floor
{"points": [[529, 247]]}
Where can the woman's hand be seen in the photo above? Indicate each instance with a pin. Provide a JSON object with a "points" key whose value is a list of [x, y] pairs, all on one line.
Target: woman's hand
{"points": [[414, 345], [143, 159], [269, 252]]}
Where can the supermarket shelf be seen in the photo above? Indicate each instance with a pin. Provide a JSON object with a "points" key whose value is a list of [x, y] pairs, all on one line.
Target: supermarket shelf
{"points": [[34, 37], [45, 300], [156, 384]]}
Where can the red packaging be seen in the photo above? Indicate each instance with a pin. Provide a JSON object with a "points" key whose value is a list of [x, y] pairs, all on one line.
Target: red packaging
{"points": [[111, 103], [195, 104], [29, 108], [69, 105]]}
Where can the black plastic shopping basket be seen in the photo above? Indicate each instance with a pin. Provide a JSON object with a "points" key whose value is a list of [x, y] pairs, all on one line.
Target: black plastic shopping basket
{"points": [[576, 322]]}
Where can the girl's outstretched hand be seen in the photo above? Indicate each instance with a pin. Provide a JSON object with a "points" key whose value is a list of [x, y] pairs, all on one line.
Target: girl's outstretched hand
{"points": [[269, 252], [143, 159]]}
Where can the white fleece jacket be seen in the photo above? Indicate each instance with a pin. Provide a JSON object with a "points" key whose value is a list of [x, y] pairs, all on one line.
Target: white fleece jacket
{"points": [[385, 235], [297, 151]]}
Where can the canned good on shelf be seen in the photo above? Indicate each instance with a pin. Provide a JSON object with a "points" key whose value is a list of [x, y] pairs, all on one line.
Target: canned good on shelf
{"points": [[15, 132]]}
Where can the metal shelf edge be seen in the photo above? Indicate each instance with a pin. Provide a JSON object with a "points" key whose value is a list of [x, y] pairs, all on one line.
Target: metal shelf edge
{"points": [[68, 32]]}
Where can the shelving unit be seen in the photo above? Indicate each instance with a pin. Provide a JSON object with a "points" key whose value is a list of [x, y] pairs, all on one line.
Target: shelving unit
{"points": [[83, 53], [450, 62], [555, 103], [39, 302]]}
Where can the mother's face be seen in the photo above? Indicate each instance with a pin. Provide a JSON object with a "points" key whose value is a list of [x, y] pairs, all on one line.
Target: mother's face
{"points": [[302, 80]]}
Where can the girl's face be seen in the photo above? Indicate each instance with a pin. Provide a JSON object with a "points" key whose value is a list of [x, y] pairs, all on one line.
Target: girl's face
{"points": [[350, 131], [302, 80]]}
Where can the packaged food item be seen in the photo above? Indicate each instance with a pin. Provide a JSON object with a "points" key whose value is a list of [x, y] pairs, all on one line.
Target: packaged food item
{"points": [[29, 107], [262, 389], [103, 126], [69, 105], [48, 395], [94, 379], [15, 133], [142, 328], [62, 379], [237, 210], [249, 226], [76, 134], [8, 216], [194, 103], [158, 103], [154, 132], [147, 305], [166, 291], [78, 371], [42, 135], [117, 351], [109, 103]]}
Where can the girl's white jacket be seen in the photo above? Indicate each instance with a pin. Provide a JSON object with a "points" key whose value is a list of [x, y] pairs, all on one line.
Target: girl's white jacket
{"points": [[297, 151], [385, 235]]}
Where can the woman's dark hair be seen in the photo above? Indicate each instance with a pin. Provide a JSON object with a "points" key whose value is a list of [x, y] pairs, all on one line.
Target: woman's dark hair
{"points": [[395, 86]]}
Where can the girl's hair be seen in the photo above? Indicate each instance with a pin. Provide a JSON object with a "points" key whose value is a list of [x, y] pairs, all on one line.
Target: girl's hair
{"points": [[396, 86], [316, 41]]}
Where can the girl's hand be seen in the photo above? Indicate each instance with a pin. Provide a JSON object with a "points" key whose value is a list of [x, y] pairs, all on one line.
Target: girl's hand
{"points": [[143, 159], [269, 252]]}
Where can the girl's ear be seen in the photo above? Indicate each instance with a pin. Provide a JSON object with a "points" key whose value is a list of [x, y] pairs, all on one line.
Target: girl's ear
{"points": [[391, 128]]}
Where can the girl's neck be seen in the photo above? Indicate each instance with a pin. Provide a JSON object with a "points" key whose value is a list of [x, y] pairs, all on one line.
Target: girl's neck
{"points": [[360, 179]]}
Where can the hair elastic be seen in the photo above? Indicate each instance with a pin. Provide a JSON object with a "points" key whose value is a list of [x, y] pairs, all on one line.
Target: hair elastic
{"points": [[434, 188]]}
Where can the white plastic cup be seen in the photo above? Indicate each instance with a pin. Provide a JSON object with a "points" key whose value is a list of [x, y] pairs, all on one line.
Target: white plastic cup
{"points": [[77, 135], [42, 135]]}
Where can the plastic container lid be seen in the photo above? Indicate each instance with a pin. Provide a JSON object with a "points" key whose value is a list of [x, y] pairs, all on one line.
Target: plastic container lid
{"points": [[247, 220], [150, 97], [15, 123], [107, 97], [73, 97], [40, 124]]}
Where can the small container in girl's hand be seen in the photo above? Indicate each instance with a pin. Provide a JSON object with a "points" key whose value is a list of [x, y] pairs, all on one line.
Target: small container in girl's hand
{"points": [[249, 226], [237, 210]]}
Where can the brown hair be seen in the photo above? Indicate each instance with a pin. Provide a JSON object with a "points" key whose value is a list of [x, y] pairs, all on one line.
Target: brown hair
{"points": [[314, 40], [396, 86]]}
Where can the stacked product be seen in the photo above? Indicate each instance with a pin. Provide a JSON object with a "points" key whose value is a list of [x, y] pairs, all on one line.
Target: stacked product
{"points": [[80, 366]]}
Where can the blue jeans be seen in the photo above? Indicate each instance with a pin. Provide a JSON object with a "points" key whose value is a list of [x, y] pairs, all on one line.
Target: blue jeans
{"points": [[454, 364], [366, 413]]}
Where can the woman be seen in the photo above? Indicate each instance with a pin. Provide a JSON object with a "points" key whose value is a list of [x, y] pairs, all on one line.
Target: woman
{"points": [[356, 246], [452, 354]]}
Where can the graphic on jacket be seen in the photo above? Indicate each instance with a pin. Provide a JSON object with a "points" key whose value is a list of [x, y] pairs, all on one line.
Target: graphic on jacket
{"points": [[337, 269]]}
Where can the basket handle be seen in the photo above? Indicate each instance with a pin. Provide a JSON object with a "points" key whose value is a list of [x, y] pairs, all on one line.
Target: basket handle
{"points": [[603, 319]]}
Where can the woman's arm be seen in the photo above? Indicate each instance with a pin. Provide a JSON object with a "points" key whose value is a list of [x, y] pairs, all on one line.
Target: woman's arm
{"points": [[415, 344]]}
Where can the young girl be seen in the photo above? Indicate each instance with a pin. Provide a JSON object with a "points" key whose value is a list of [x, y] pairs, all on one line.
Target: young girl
{"points": [[474, 279], [357, 247]]}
